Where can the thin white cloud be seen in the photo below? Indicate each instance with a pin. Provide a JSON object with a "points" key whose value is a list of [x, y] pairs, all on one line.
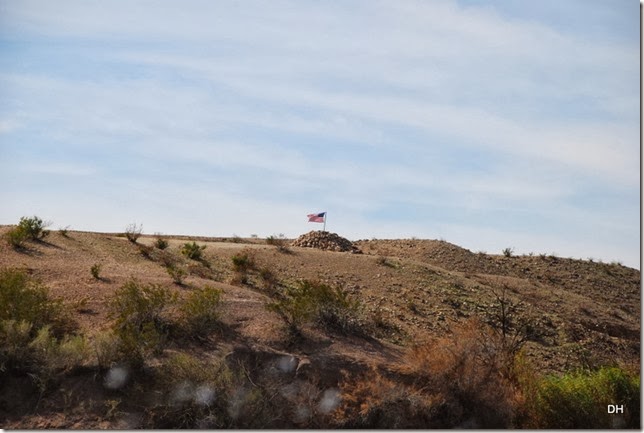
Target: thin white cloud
{"points": [[355, 105]]}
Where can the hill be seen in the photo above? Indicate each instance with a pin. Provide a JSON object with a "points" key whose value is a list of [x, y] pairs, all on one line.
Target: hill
{"points": [[563, 314]]}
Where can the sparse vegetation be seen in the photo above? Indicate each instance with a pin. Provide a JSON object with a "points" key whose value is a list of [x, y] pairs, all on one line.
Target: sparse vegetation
{"points": [[279, 241], [161, 243], [28, 229], [443, 339], [16, 237], [22, 299], [193, 251], [138, 311], [579, 400], [243, 263], [133, 232], [177, 272], [269, 280], [508, 252], [34, 227], [64, 231], [309, 301], [200, 311], [95, 270]]}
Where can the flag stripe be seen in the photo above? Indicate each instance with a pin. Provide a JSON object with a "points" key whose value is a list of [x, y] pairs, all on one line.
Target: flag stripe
{"points": [[316, 217]]}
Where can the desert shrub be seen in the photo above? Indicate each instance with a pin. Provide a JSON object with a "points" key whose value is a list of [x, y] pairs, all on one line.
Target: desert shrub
{"points": [[95, 270], [64, 231], [200, 311], [137, 311], [192, 250], [580, 399], [38, 353], [467, 370], [133, 232], [23, 299], [16, 237], [106, 348], [160, 243], [14, 343], [269, 280], [279, 242], [178, 273], [33, 227], [372, 401], [309, 301], [243, 263], [510, 328], [59, 354], [209, 395], [507, 252]]}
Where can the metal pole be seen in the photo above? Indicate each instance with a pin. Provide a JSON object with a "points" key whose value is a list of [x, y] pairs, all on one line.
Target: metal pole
{"points": [[324, 228]]}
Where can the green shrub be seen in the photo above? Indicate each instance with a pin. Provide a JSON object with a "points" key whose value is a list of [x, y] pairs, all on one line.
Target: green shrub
{"points": [[313, 301], [243, 263], [192, 250], [580, 400], [23, 299], [106, 347], [16, 237], [33, 227], [161, 243], [14, 343], [137, 311], [200, 311], [59, 354], [507, 252], [133, 232], [95, 270]]}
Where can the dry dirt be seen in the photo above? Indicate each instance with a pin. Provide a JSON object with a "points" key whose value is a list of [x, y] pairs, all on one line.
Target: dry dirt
{"points": [[587, 313]]}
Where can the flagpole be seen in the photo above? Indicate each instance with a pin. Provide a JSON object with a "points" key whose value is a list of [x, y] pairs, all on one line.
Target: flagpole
{"points": [[324, 228]]}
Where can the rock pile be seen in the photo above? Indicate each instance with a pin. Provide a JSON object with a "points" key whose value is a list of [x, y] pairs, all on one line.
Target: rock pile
{"points": [[325, 241]]}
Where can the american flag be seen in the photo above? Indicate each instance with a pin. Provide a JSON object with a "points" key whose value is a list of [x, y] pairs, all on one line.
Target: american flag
{"points": [[316, 217]]}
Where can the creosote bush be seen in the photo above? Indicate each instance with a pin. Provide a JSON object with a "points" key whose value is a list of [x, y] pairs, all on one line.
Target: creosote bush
{"points": [[29, 228], [16, 237], [33, 329], [243, 263], [22, 299], [34, 227], [314, 301], [139, 322], [200, 310], [192, 250]]}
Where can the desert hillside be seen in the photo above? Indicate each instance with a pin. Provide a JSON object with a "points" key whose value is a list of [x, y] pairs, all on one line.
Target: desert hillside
{"points": [[396, 298]]}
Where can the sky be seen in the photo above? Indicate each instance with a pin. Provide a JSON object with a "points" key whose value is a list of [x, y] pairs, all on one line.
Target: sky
{"points": [[488, 124]]}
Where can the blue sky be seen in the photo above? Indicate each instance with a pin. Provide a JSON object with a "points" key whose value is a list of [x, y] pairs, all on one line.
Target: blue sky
{"points": [[489, 124]]}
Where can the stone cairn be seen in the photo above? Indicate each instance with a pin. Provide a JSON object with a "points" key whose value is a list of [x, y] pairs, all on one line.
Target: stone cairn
{"points": [[325, 241]]}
